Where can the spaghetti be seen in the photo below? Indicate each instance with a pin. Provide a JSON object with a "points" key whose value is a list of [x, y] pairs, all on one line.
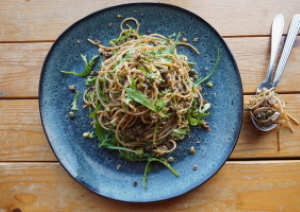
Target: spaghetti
{"points": [[145, 96]]}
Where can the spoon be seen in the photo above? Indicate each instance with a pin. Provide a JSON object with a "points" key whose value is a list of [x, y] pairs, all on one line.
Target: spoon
{"points": [[277, 29]]}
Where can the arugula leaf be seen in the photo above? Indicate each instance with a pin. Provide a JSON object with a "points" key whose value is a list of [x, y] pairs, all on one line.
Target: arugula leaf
{"points": [[133, 83], [169, 50], [166, 59], [74, 103], [139, 97], [172, 49], [122, 38], [107, 140], [126, 57], [101, 134], [88, 66], [139, 150], [84, 58], [153, 76], [200, 113], [199, 81], [160, 104], [146, 171], [94, 112], [173, 98], [190, 64], [148, 166], [102, 96], [88, 95], [137, 156], [165, 91], [128, 99], [195, 117], [91, 80], [166, 40], [192, 120], [150, 54], [141, 68]]}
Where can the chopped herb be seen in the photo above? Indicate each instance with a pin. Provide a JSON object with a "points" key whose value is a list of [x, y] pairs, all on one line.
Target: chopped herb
{"points": [[165, 91], [191, 64], [209, 84], [153, 76], [179, 133], [74, 103], [91, 135]]}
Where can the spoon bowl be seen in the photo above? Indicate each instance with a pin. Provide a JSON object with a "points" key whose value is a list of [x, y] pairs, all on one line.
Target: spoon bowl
{"points": [[264, 127]]}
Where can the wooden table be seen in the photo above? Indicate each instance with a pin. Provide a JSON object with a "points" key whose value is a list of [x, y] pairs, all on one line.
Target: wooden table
{"points": [[257, 177]]}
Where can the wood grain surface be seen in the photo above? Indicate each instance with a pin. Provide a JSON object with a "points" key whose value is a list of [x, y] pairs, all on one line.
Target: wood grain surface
{"points": [[28, 20], [22, 137], [21, 65], [238, 186], [257, 177]]}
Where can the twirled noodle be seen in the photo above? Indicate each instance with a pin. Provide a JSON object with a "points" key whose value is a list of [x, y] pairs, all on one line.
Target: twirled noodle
{"points": [[266, 109], [149, 65]]}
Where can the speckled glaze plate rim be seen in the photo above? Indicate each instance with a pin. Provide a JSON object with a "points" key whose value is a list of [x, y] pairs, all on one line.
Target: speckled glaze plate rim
{"points": [[139, 4]]}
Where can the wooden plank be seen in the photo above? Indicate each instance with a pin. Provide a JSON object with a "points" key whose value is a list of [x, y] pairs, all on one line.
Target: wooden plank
{"points": [[45, 20], [21, 66], [22, 137], [238, 186], [253, 56], [21, 134]]}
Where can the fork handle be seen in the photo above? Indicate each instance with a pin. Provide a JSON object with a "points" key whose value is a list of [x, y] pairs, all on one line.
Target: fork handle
{"points": [[277, 29], [290, 40]]}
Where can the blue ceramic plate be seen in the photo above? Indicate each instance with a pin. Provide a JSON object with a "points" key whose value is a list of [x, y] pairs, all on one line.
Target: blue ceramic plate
{"points": [[96, 168]]}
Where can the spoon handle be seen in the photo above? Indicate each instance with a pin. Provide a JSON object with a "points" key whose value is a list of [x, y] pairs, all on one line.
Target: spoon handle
{"points": [[277, 29], [290, 40]]}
